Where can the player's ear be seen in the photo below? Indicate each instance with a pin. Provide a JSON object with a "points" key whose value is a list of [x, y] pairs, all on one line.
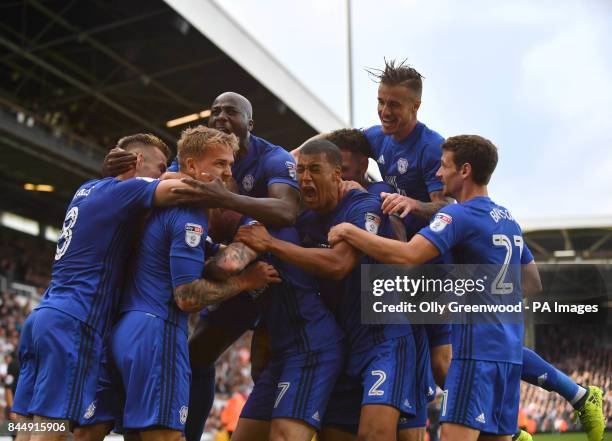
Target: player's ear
{"points": [[250, 125], [466, 170], [190, 167], [417, 105], [140, 159]]}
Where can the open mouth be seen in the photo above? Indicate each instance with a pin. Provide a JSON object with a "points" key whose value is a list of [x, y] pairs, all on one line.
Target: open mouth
{"points": [[309, 193], [224, 129]]}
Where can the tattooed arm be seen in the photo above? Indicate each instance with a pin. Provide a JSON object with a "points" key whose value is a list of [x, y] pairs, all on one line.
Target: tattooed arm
{"points": [[200, 293], [229, 261]]}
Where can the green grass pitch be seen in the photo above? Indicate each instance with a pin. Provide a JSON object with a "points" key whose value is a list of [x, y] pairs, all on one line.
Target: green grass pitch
{"points": [[568, 437]]}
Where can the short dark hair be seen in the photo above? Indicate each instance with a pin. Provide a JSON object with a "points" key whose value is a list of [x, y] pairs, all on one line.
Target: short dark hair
{"points": [[146, 139], [322, 146], [352, 140], [395, 74], [475, 150]]}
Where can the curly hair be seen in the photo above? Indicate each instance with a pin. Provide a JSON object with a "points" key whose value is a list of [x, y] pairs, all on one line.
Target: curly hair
{"points": [[352, 140]]}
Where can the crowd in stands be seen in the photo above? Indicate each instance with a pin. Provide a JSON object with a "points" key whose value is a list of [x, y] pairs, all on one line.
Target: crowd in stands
{"points": [[13, 312], [583, 353], [25, 258]]}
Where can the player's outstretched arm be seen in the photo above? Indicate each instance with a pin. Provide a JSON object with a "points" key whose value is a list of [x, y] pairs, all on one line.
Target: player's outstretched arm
{"points": [[394, 203], [332, 263], [530, 279], [193, 296], [418, 250], [117, 162], [278, 210], [296, 151], [229, 261]]}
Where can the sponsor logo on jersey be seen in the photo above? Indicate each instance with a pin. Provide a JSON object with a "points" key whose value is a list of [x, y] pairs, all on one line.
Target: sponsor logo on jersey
{"points": [[441, 220], [316, 416], [247, 183], [83, 192], [542, 379], [183, 414], [193, 234], [381, 160], [402, 165], [481, 418], [90, 411], [291, 169], [372, 222]]}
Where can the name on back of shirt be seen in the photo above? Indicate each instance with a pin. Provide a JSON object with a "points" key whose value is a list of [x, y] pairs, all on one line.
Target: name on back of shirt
{"points": [[497, 214]]}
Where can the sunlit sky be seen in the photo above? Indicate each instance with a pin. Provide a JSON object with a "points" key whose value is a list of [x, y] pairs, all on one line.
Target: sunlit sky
{"points": [[534, 77]]}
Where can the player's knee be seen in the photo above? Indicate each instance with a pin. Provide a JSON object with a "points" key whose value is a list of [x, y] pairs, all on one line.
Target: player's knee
{"points": [[375, 432], [416, 434], [95, 432]]}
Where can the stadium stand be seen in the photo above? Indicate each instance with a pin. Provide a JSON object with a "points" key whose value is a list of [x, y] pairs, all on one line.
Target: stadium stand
{"points": [[581, 352]]}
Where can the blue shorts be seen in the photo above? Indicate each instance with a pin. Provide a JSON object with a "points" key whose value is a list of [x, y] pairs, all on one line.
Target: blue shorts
{"points": [[415, 422], [425, 383], [110, 395], [241, 312], [384, 374], [296, 387], [483, 395], [60, 358], [152, 360]]}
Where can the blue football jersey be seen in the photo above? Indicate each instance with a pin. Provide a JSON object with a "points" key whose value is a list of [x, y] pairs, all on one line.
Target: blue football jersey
{"points": [[343, 297], [263, 165], [409, 165], [93, 248], [171, 253], [293, 311], [479, 231]]}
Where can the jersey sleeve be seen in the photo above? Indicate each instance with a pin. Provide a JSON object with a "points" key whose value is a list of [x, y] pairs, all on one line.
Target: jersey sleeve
{"points": [[210, 248], [376, 188], [430, 164], [446, 228], [374, 136], [280, 169], [187, 246], [526, 255], [135, 193], [438, 335], [365, 212], [174, 167]]}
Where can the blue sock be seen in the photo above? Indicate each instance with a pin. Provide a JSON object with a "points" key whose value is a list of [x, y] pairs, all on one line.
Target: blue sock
{"points": [[201, 397], [539, 372]]}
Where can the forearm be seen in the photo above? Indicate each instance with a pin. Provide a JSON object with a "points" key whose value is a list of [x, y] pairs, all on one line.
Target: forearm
{"points": [[380, 248], [272, 212], [425, 210], [319, 261], [200, 293], [229, 261]]}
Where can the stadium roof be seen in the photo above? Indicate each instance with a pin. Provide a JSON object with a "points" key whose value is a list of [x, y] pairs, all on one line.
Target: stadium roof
{"points": [[570, 238], [77, 75]]}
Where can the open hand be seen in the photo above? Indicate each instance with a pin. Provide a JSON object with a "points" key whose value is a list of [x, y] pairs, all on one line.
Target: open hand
{"points": [[255, 237], [259, 275], [117, 162], [394, 203]]}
